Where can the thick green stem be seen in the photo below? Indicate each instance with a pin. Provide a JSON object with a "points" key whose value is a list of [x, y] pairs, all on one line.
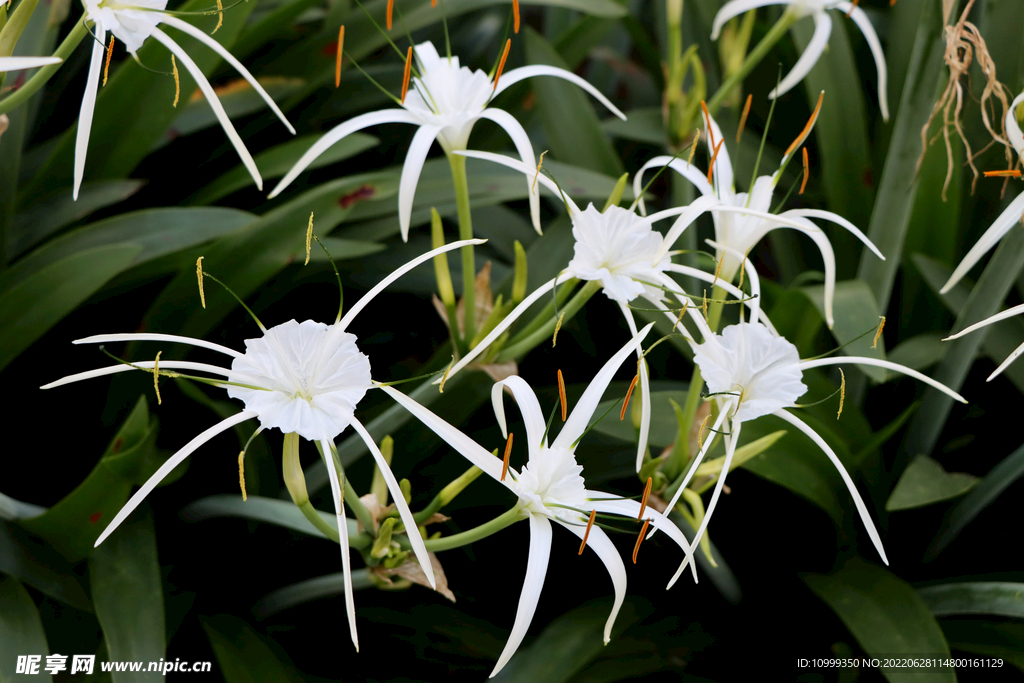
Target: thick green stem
{"points": [[458, 164], [22, 94], [483, 531], [755, 56], [14, 26], [531, 341]]}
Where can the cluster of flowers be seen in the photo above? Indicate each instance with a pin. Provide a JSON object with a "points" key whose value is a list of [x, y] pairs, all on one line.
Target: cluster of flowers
{"points": [[307, 378]]}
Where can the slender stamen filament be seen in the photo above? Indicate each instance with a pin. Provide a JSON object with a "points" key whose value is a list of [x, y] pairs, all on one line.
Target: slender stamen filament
{"points": [[408, 72], [586, 534], [561, 395], [629, 393], [110, 53], [807, 173], [508, 452], [640, 538], [501, 66], [337, 57], [643, 501], [744, 115]]}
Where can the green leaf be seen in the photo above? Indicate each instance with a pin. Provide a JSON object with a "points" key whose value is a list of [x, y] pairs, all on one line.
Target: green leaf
{"points": [[277, 161], [21, 631], [1009, 470], [269, 510], [856, 314], [925, 482], [40, 566], [643, 125], [245, 656], [978, 597], [73, 524], [573, 129], [919, 352], [885, 615], [987, 638], [42, 299], [124, 574], [310, 590]]}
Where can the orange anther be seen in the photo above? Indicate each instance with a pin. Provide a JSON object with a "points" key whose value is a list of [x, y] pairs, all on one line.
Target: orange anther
{"points": [[337, 59], [501, 64], [433, 3], [711, 166], [1013, 173], [807, 129], [515, 15], [561, 395], [586, 534], [110, 53], [643, 501], [629, 393], [640, 538], [508, 452], [707, 123], [408, 72], [391, 11], [853, 6], [807, 173], [743, 116]]}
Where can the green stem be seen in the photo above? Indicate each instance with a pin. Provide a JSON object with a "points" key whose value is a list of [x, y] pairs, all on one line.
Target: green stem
{"points": [[22, 94], [755, 56], [507, 518], [458, 164], [531, 341], [15, 25]]}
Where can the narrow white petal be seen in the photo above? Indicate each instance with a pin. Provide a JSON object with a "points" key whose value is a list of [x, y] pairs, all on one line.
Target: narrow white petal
{"points": [[693, 311], [397, 273], [579, 418], [857, 500], [153, 336], [1006, 363], [1007, 219], [862, 21], [708, 437], [171, 463], [730, 450], [888, 365], [92, 84], [214, 102], [603, 547], [525, 148], [529, 171], [346, 560], [536, 569], [411, 528], [411, 169], [698, 207], [529, 408], [188, 28], [19, 63], [467, 447], [839, 220], [810, 56], [1008, 313], [645, 392], [736, 8], [1013, 128], [671, 317], [145, 364], [755, 285], [510, 78], [688, 171]]}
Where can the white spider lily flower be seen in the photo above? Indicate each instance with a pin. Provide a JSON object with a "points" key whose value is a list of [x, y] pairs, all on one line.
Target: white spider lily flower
{"points": [[1008, 313], [817, 9], [19, 63], [751, 372], [551, 487], [446, 100], [132, 24], [304, 378], [741, 219], [627, 256]]}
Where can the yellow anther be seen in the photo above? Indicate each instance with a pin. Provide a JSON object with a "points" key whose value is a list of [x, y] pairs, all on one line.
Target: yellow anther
{"points": [[807, 129], [241, 473], [693, 147], [682, 312], [878, 332], [220, 22], [444, 377], [807, 173], [156, 378], [643, 501], [842, 392], [540, 163], [743, 271], [391, 11], [629, 394], [508, 452], [501, 64], [110, 53], [718, 270], [408, 70], [558, 326], [561, 395], [337, 57], [743, 116], [586, 534], [177, 82], [640, 539], [705, 306], [309, 238], [700, 432], [199, 276]]}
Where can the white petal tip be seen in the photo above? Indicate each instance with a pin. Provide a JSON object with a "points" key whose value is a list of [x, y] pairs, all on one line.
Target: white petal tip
{"points": [[51, 385], [945, 288]]}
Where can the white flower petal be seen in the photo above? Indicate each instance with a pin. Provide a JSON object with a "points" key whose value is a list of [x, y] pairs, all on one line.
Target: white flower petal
{"points": [[888, 365], [698, 207], [1003, 315], [1013, 128], [861, 19], [1006, 363], [730, 450], [693, 310], [810, 56], [536, 569], [19, 63], [411, 169], [839, 220], [734, 8], [688, 171], [857, 500], [147, 364], [645, 392], [709, 438], [346, 562], [92, 84], [530, 172], [525, 148], [152, 336], [1002, 225], [755, 285], [169, 465], [529, 408], [605, 550], [510, 78]]}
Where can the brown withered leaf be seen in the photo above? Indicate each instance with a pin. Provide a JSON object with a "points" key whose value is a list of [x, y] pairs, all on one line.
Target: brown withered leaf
{"points": [[376, 510], [410, 570], [498, 371]]}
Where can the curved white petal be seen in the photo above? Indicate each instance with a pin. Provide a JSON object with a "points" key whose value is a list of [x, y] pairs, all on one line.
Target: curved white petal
{"points": [[693, 311], [169, 465], [338, 133], [603, 547], [536, 569], [530, 172], [839, 220], [214, 102], [709, 437], [411, 528], [730, 450], [1006, 363], [857, 500], [466, 446], [1003, 315], [1013, 128], [861, 19], [92, 84], [525, 148], [580, 416], [888, 365], [145, 364], [687, 170], [397, 273], [1000, 227], [510, 78], [188, 28], [810, 56], [753, 303], [736, 8], [19, 63], [346, 561], [154, 336], [645, 391], [529, 408], [699, 206], [411, 169]]}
